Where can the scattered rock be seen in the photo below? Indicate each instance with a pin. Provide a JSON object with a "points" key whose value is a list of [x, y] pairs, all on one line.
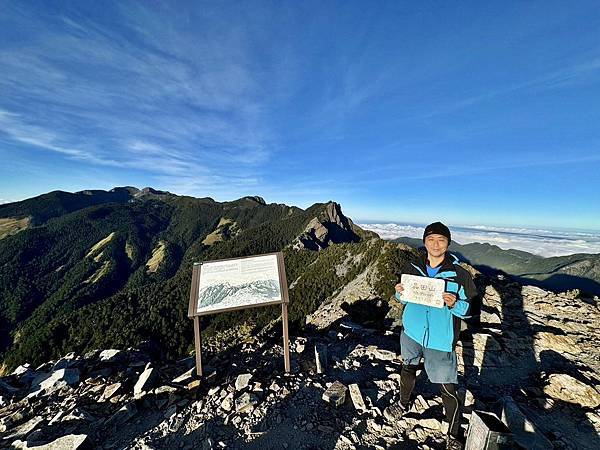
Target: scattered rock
{"points": [[111, 356], [146, 380], [185, 377], [69, 442], [111, 390], [125, 413], [245, 402], [335, 394], [357, 398], [321, 357], [227, 403], [242, 381], [53, 381]]}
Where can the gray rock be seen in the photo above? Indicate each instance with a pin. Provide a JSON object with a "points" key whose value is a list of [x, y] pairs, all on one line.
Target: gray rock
{"points": [[23, 368], [431, 424], [26, 428], [165, 390], [110, 390], [227, 403], [335, 394], [146, 380], [7, 388], [357, 398], [383, 355], [300, 345], [321, 357], [69, 442], [564, 387], [122, 415], [111, 356], [186, 376], [65, 362], [242, 381], [245, 402], [525, 432], [10, 421], [51, 382], [78, 414]]}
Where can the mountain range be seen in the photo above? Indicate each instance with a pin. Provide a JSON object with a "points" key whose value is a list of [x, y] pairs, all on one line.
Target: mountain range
{"points": [[94, 291], [93, 269], [111, 269]]}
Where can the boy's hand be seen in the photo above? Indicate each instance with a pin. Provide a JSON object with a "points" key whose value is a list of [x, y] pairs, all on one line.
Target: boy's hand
{"points": [[399, 288], [449, 299]]}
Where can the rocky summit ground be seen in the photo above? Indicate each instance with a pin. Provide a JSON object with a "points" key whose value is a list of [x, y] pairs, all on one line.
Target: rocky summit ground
{"points": [[534, 361]]}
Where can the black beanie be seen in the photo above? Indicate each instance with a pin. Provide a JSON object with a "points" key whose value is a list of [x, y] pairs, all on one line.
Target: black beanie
{"points": [[437, 228]]}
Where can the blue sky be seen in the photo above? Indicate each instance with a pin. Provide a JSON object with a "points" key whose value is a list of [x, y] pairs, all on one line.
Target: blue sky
{"points": [[470, 112]]}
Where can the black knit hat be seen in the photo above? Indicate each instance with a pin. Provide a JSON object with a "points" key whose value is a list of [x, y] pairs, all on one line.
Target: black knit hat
{"points": [[437, 228]]}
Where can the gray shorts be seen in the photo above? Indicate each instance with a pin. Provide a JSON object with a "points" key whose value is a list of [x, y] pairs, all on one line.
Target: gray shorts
{"points": [[440, 366]]}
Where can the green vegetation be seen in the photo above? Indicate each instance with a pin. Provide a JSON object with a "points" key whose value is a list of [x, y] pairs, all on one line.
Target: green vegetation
{"points": [[48, 309]]}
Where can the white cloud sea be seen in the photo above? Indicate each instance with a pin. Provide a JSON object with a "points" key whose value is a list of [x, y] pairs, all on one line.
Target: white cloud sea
{"points": [[537, 241]]}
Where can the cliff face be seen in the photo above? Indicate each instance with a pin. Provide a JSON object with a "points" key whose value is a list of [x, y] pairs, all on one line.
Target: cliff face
{"points": [[329, 227], [534, 360]]}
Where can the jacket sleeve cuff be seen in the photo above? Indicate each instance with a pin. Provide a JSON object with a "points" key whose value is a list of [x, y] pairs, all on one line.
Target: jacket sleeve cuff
{"points": [[460, 308], [399, 298]]}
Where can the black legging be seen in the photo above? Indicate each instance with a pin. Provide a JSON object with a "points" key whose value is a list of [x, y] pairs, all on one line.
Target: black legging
{"points": [[450, 399]]}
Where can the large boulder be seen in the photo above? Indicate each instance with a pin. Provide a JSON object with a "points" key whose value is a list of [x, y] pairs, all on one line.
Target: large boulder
{"points": [[564, 387], [53, 381], [69, 442]]}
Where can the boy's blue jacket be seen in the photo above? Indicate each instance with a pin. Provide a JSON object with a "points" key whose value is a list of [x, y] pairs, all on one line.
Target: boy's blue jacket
{"points": [[438, 328]]}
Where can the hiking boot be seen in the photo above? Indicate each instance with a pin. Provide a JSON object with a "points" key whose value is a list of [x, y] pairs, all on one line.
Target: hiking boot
{"points": [[453, 443], [395, 412]]}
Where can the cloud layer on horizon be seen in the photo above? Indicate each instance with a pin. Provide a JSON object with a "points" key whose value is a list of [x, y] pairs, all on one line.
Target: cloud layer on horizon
{"points": [[537, 241]]}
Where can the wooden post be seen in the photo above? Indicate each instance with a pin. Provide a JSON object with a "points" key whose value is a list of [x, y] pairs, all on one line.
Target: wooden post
{"points": [[286, 338], [198, 342]]}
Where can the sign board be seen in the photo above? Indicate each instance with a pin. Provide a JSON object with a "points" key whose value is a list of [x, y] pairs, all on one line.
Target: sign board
{"points": [[423, 290], [238, 283]]}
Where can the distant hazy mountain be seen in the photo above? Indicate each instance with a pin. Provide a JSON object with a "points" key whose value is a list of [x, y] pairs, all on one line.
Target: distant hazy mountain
{"points": [[579, 271]]}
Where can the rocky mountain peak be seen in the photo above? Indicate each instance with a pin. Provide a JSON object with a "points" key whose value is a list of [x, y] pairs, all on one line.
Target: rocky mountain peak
{"points": [[148, 191], [333, 213], [255, 198], [329, 226], [130, 189]]}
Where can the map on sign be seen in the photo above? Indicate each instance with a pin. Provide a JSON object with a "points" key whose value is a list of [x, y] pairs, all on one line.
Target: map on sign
{"points": [[423, 290], [236, 283]]}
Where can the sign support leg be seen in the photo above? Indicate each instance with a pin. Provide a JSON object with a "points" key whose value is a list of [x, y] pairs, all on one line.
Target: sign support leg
{"points": [[198, 343], [286, 338]]}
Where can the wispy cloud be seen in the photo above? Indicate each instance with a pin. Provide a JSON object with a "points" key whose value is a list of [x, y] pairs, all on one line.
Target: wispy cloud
{"points": [[563, 77], [140, 95]]}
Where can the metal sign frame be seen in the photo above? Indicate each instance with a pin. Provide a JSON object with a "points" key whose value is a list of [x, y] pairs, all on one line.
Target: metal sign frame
{"points": [[284, 301]]}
